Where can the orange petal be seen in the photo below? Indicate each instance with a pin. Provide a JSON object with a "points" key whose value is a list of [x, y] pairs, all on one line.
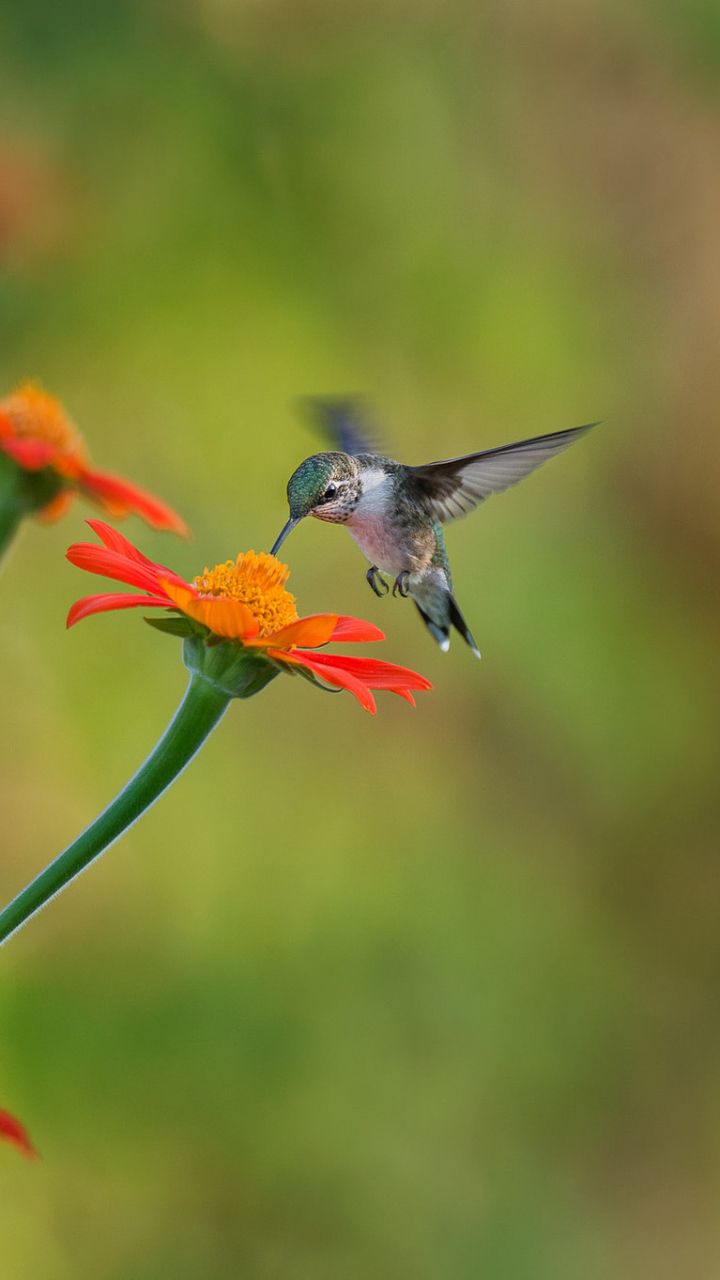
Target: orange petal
{"points": [[16, 1133], [31, 455], [113, 564], [406, 694], [121, 497], [332, 675], [116, 541], [309, 632], [348, 629], [374, 672], [66, 465], [225, 617], [57, 507], [111, 600]]}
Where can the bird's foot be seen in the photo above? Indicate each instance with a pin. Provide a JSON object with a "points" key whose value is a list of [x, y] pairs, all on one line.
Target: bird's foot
{"points": [[401, 585], [377, 582]]}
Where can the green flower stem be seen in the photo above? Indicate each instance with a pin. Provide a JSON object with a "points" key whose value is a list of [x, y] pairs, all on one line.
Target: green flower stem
{"points": [[10, 517], [13, 505], [200, 711]]}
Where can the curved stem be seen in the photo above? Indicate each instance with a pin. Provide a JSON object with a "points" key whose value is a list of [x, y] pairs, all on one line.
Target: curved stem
{"points": [[200, 710]]}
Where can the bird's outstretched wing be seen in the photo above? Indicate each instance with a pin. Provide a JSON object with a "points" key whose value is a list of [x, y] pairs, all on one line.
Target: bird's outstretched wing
{"points": [[457, 486], [342, 420]]}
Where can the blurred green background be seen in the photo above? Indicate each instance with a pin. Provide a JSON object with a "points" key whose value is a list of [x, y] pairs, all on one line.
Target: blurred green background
{"points": [[432, 995]]}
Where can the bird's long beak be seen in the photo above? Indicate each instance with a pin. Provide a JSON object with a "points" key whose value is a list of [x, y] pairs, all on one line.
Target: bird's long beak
{"points": [[288, 529]]}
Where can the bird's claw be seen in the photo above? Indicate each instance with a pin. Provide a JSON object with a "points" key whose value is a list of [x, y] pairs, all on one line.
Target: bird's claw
{"points": [[377, 582], [401, 584]]}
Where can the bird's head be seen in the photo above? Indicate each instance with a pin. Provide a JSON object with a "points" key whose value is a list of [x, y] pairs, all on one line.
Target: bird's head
{"points": [[325, 486]]}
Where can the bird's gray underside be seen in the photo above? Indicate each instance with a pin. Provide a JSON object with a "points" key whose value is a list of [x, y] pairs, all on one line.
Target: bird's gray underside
{"points": [[439, 609], [430, 592]]}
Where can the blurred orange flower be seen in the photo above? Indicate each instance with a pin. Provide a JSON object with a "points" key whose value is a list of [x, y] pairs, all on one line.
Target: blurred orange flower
{"points": [[37, 435]]}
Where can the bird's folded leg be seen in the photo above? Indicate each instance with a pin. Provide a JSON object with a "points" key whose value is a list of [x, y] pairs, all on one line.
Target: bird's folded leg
{"points": [[376, 581], [401, 584]]}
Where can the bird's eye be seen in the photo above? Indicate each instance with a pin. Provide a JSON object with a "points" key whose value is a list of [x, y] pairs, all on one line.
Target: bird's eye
{"points": [[329, 493]]}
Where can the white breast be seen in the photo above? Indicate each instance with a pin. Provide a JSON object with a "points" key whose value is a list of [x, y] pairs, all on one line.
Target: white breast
{"points": [[376, 493], [369, 526]]}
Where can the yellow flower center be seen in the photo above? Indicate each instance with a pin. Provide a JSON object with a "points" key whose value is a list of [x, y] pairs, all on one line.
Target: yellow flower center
{"points": [[257, 581], [38, 416]]}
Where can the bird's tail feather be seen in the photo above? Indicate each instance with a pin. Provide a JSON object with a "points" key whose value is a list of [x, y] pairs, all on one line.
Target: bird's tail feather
{"points": [[440, 631], [461, 625]]}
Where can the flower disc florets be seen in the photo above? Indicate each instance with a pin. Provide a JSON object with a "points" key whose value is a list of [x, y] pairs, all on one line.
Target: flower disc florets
{"points": [[257, 581]]}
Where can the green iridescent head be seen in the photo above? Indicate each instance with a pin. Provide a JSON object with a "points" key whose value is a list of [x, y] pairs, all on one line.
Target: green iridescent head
{"points": [[308, 485], [317, 487]]}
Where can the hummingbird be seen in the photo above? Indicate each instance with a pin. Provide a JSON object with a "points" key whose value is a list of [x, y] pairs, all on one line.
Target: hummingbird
{"points": [[396, 513]]}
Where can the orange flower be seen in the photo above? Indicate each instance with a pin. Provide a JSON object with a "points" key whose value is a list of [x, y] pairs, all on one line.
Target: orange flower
{"points": [[240, 630], [38, 436], [11, 1130], [244, 602]]}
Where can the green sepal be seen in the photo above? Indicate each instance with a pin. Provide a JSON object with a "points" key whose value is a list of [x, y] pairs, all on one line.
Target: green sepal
{"points": [[311, 678], [233, 670], [27, 491], [21, 493], [177, 626]]}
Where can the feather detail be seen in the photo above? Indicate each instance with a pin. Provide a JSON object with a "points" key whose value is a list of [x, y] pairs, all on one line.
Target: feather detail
{"points": [[456, 486]]}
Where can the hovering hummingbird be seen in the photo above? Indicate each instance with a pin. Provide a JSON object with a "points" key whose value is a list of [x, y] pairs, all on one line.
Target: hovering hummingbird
{"points": [[396, 513]]}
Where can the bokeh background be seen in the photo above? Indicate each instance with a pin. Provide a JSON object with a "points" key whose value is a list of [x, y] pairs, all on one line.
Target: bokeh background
{"points": [[437, 994]]}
